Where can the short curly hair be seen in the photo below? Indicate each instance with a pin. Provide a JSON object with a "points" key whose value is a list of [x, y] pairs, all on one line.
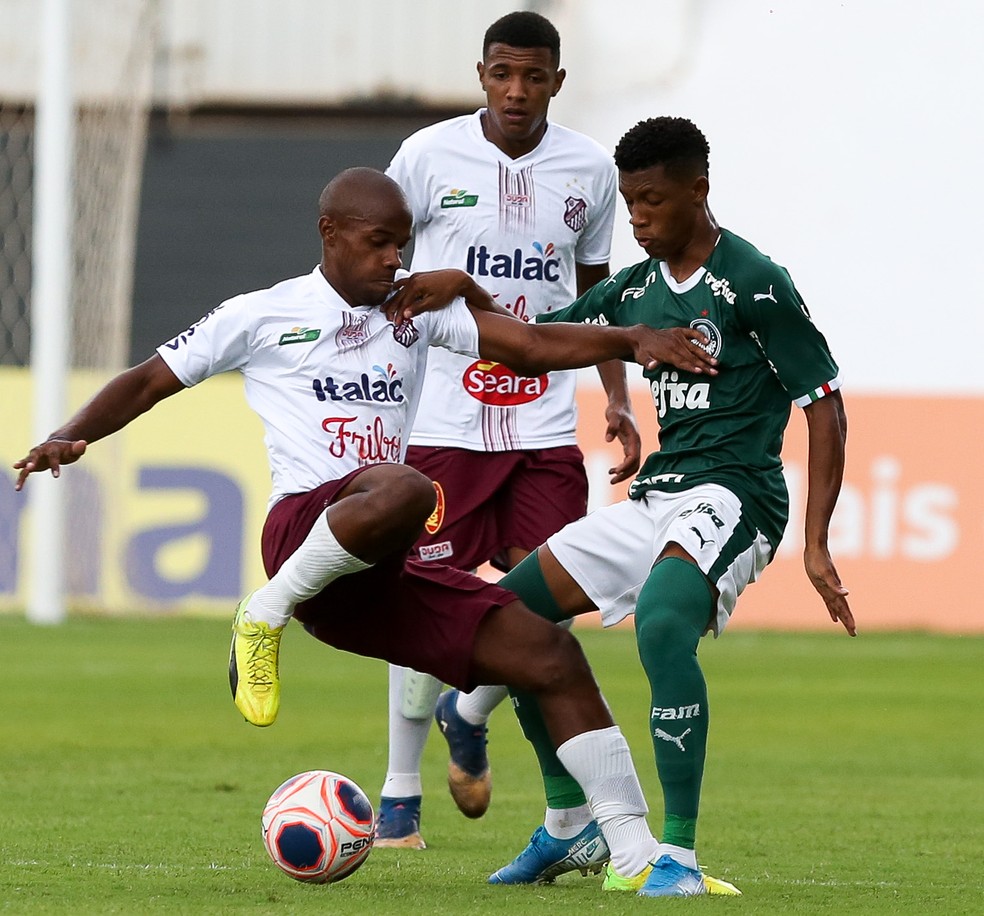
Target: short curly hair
{"points": [[674, 143], [524, 30]]}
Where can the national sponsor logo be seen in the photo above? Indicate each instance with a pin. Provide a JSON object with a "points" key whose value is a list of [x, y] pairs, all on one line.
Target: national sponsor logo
{"points": [[497, 385], [382, 388], [713, 335], [670, 393], [430, 553], [299, 335], [575, 213], [458, 198], [436, 518], [515, 264]]}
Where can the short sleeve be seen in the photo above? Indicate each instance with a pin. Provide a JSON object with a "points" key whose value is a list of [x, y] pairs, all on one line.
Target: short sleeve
{"points": [[776, 315], [218, 342], [454, 328], [595, 243]]}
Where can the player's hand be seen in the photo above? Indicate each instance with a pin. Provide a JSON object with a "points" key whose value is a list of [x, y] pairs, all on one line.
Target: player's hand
{"points": [[823, 575], [50, 455], [682, 348], [622, 426], [424, 292]]}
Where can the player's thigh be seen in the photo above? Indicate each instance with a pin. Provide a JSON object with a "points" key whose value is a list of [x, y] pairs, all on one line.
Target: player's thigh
{"points": [[462, 531], [547, 491]]}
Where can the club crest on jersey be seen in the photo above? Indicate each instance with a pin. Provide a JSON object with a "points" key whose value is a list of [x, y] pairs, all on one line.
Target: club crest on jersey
{"points": [[386, 388], [513, 265], [406, 335], [458, 198], [436, 518], [497, 385], [354, 331], [576, 214], [714, 341]]}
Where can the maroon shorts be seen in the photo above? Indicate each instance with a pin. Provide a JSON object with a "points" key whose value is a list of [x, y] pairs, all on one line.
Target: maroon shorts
{"points": [[488, 502], [422, 615]]}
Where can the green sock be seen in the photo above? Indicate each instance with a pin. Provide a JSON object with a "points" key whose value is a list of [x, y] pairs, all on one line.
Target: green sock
{"points": [[672, 613], [562, 790]]}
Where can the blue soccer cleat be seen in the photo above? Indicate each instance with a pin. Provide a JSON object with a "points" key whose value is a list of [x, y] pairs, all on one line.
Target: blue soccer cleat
{"points": [[398, 824], [547, 858], [671, 879], [469, 776]]}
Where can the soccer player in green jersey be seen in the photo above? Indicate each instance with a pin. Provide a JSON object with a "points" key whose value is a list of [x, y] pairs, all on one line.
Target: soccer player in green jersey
{"points": [[707, 511]]}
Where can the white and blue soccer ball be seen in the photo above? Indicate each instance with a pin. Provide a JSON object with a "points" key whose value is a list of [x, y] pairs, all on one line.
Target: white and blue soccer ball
{"points": [[318, 827]]}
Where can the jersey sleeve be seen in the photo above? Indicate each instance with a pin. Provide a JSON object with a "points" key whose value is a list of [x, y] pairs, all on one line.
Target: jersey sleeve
{"points": [[776, 315], [218, 342], [595, 243], [401, 169], [454, 328], [596, 306]]}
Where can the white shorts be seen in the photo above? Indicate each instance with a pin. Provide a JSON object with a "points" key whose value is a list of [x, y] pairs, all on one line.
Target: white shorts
{"points": [[611, 552]]}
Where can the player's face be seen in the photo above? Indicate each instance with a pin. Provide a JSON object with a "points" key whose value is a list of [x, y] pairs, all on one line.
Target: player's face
{"points": [[519, 84], [665, 212], [362, 252]]}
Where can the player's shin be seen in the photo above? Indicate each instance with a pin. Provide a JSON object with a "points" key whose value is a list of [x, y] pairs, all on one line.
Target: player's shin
{"points": [[672, 613], [601, 762]]}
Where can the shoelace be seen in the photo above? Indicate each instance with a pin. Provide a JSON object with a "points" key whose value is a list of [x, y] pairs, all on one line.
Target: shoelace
{"points": [[262, 659]]}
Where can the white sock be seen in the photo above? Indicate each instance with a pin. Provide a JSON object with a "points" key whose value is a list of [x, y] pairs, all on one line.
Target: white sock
{"points": [[681, 854], [601, 763], [407, 738], [476, 707], [567, 823], [319, 560]]}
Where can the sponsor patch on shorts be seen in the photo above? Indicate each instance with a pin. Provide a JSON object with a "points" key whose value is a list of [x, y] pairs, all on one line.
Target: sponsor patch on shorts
{"points": [[441, 551]]}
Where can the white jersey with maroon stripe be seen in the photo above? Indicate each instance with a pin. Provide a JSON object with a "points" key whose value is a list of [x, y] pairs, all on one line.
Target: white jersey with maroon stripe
{"points": [[518, 226]]}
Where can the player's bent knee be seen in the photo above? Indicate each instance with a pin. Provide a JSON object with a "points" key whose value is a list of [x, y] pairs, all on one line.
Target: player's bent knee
{"points": [[560, 663]]}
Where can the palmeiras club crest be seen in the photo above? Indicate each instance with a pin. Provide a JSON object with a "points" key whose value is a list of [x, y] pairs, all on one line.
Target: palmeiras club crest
{"points": [[576, 213]]}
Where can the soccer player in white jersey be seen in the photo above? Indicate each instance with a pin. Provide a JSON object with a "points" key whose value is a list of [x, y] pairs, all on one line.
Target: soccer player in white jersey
{"points": [[526, 207], [335, 383], [708, 509]]}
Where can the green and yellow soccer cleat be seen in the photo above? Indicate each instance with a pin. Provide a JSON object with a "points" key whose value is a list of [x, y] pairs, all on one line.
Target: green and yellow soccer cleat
{"points": [[254, 667], [615, 882]]}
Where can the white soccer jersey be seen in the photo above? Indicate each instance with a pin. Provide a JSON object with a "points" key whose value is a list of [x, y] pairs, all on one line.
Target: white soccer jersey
{"points": [[518, 226], [335, 386]]}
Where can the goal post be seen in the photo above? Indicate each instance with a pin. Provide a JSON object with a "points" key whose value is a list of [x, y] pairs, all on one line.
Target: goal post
{"points": [[75, 98]]}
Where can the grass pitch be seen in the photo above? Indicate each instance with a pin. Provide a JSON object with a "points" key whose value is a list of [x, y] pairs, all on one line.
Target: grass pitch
{"points": [[844, 776]]}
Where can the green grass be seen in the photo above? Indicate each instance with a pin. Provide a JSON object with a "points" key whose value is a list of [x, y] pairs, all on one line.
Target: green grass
{"points": [[844, 776]]}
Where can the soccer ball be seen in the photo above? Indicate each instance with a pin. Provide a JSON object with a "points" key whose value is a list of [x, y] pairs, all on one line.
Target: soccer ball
{"points": [[318, 827]]}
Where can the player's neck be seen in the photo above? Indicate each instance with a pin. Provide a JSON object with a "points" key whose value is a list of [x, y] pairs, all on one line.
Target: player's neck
{"points": [[691, 258], [514, 149]]}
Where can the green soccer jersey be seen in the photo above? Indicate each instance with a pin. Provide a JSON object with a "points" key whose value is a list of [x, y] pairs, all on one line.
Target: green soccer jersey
{"points": [[726, 429]]}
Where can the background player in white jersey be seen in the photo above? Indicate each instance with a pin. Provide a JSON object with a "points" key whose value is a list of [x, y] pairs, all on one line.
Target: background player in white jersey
{"points": [[526, 208], [335, 383], [708, 509]]}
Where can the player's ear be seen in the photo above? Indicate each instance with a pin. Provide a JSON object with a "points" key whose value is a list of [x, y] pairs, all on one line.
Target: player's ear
{"points": [[326, 229], [480, 67], [701, 188], [559, 81]]}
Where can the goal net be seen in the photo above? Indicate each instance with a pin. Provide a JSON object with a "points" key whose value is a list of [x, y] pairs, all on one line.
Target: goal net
{"points": [[113, 44]]}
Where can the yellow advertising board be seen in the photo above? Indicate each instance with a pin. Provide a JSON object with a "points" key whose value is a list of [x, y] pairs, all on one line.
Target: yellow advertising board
{"points": [[166, 515]]}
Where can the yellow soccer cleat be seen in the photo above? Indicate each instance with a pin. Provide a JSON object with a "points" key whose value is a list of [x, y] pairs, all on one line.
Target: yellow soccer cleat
{"points": [[254, 667], [615, 882]]}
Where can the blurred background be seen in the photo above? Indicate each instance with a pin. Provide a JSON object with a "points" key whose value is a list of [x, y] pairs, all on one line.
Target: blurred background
{"points": [[195, 138]]}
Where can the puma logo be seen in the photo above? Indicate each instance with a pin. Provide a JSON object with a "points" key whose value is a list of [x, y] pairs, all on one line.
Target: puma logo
{"points": [[703, 542], [666, 736], [757, 297]]}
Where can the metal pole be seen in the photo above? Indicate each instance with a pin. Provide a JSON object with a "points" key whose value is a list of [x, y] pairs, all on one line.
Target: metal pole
{"points": [[50, 298]]}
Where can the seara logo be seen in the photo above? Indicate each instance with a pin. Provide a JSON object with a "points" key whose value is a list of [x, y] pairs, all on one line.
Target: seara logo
{"points": [[458, 199], [513, 265], [385, 388], [497, 385]]}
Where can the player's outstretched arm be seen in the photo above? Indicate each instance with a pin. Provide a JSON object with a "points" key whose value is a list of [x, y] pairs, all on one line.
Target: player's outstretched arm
{"points": [[434, 289], [827, 425], [130, 394]]}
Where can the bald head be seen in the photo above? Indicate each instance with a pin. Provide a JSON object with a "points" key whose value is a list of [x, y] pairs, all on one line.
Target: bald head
{"points": [[364, 220], [354, 193]]}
